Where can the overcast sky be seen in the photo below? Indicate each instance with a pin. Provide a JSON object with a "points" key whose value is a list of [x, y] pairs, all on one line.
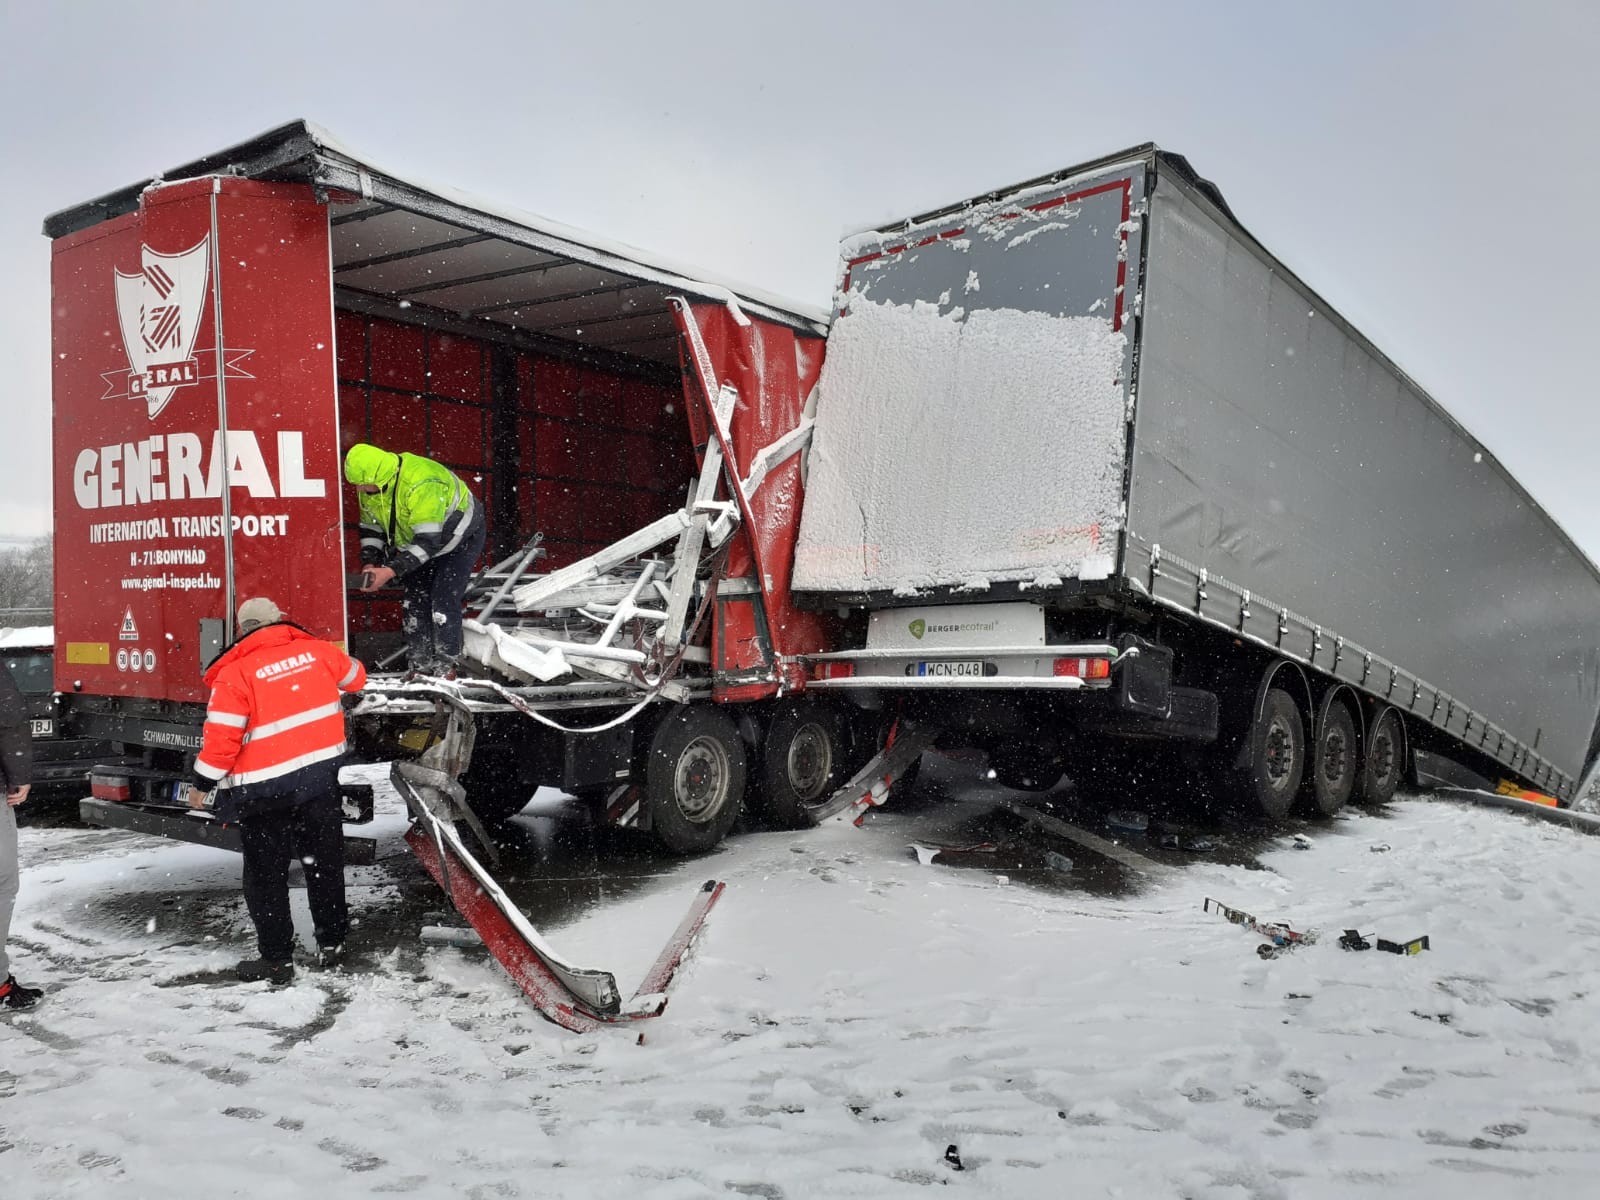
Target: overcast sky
{"points": [[1427, 166]]}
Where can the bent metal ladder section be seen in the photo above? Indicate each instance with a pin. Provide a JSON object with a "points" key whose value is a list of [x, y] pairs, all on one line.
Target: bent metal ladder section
{"points": [[581, 999]]}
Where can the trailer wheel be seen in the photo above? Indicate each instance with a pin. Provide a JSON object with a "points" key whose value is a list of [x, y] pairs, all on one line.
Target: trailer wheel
{"points": [[694, 778], [1335, 763], [1385, 763], [1277, 756], [494, 790], [803, 761]]}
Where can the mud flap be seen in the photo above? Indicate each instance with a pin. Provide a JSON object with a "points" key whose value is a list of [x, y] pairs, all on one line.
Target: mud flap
{"points": [[869, 787]]}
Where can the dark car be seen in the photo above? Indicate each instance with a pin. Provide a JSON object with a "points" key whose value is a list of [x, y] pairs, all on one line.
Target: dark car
{"points": [[60, 764]]}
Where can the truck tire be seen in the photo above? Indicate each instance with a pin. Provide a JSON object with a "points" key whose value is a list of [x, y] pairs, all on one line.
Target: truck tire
{"points": [[694, 778], [1385, 761], [1334, 764], [1277, 757], [803, 760], [494, 791]]}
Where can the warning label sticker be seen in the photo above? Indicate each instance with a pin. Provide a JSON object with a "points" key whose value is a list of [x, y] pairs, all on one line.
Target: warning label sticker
{"points": [[129, 631]]}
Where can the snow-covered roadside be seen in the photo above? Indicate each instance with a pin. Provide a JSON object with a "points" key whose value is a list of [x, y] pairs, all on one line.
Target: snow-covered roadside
{"points": [[848, 1015]]}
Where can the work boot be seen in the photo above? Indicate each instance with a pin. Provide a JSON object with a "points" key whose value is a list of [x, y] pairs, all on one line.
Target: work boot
{"points": [[16, 997], [254, 970], [330, 958]]}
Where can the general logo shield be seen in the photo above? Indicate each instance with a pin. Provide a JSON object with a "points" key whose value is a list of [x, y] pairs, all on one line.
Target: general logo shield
{"points": [[918, 628], [159, 311]]}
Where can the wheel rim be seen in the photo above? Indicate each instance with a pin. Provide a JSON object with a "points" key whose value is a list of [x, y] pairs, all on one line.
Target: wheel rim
{"points": [[1335, 757], [1382, 757], [1280, 754], [809, 761], [700, 780]]}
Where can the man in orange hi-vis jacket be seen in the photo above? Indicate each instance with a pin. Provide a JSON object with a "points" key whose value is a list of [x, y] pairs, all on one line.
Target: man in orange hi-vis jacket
{"points": [[274, 734]]}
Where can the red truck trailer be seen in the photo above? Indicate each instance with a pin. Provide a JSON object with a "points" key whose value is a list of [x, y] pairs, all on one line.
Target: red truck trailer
{"points": [[632, 429]]}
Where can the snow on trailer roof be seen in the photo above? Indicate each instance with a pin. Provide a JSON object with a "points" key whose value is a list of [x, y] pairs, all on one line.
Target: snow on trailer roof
{"points": [[459, 260], [27, 637]]}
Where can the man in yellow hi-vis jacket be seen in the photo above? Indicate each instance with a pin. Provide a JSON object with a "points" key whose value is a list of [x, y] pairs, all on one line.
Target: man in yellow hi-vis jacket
{"points": [[419, 524]]}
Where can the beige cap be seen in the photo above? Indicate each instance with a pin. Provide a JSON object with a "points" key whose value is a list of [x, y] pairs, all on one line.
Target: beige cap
{"points": [[256, 612]]}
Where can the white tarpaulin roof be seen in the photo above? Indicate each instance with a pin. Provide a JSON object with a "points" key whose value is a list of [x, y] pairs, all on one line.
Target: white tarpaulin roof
{"points": [[466, 262]]}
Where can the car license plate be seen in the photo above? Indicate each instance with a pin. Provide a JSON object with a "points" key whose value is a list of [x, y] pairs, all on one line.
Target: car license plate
{"points": [[44, 727], [952, 669]]}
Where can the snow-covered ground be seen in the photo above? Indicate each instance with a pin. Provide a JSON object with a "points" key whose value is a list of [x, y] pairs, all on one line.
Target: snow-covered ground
{"points": [[847, 1016]]}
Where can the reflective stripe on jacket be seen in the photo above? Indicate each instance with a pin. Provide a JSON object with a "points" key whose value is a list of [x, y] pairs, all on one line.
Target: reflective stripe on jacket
{"points": [[423, 511], [274, 707]]}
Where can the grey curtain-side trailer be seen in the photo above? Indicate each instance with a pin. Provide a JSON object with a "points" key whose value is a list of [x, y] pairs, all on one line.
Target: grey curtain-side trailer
{"points": [[1090, 414]]}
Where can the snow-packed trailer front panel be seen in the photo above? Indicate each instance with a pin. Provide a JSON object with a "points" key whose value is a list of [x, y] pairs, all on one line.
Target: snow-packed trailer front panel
{"points": [[972, 411], [1291, 484]]}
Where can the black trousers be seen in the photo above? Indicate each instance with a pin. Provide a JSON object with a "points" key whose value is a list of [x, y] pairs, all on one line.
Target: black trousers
{"points": [[431, 605], [312, 831]]}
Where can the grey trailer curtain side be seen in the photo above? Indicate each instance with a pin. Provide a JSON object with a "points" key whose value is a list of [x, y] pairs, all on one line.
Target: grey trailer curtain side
{"points": [[1290, 483]]}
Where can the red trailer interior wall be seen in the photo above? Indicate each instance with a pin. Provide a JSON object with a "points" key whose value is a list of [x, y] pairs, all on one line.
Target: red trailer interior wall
{"points": [[593, 454], [141, 467], [609, 454], [409, 390]]}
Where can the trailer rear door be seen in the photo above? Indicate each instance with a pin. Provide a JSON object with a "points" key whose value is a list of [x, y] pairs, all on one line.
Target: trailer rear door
{"points": [[209, 309]]}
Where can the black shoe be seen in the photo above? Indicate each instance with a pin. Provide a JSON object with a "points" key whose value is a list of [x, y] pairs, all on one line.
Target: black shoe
{"points": [[330, 957], [254, 970], [16, 997]]}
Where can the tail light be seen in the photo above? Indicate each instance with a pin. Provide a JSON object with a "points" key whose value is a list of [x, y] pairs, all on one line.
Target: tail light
{"points": [[109, 787], [1082, 668], [833, 670]]}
